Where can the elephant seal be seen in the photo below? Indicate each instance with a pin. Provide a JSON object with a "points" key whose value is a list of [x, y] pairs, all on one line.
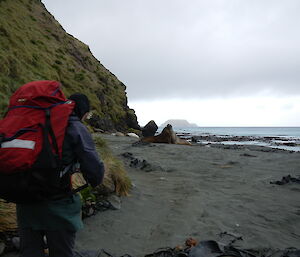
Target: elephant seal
{"points": [[167, 136]]}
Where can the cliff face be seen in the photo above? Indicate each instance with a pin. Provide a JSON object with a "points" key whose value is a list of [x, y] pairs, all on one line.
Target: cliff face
{"points": [[34, 46]]}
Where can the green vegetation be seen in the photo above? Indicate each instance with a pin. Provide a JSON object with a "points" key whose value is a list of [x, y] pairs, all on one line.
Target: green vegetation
{"points": [[33, 46], [8, 220], [115, 171]]}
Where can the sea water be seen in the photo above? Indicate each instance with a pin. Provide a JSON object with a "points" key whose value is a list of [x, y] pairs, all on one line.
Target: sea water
{"points": [[280, 134]]}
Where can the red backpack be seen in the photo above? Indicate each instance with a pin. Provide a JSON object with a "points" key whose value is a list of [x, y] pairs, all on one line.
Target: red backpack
{"points": [[31, 140]]}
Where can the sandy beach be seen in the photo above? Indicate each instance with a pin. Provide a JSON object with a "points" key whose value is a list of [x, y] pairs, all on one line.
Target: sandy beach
{"points": [[199, 191]]}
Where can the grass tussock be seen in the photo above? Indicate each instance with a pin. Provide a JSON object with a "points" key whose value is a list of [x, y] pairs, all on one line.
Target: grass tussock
{"points": [[8, 221], [115, 172]]}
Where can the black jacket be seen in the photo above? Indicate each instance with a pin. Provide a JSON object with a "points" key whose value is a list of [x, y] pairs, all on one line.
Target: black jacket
{"points": [[79, 147]]}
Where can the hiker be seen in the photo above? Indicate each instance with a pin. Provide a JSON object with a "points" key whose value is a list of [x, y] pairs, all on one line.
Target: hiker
{"points": [[58, 220]]}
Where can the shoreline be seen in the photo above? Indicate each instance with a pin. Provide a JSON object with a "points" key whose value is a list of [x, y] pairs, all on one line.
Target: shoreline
{"points": [[252, 147], [199, 192], [287, 138], [275, 142]]}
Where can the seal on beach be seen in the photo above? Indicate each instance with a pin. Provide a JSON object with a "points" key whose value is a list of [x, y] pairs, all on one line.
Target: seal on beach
{"points": [[167, 136]]}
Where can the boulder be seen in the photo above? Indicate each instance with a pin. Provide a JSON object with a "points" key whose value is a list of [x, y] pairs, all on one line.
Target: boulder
{"points": [[150, 129], [115, 202], [132, 135]]}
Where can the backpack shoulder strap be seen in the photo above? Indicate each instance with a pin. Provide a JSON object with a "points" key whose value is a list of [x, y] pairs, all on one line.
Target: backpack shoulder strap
{"points": [[49, 130]]}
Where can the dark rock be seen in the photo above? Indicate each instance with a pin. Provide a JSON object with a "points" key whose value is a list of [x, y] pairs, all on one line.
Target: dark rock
{"points": [[131, 120], [103, 205], [195, 139], [144, 165], [290, 144], [141, 164], [231, 163], [90, 212], [248, 155], [110, 202], [286, 180], [93, 253], [115, 202], [150, 129], [141, 143], [128, 155], [104, 124]]}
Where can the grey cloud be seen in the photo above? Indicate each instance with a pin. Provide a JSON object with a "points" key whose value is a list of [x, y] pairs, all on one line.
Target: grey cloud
{"points": [[176, 48]]}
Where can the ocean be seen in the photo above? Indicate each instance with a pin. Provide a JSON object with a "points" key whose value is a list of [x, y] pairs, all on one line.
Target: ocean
{"points": [[287, 138]]}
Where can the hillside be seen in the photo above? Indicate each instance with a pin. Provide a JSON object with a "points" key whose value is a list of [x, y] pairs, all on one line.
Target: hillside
{"points": [[34, 46], [179, 123]]}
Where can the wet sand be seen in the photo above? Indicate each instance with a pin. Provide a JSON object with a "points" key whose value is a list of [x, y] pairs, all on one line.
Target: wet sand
{"points": [[198, 191]]}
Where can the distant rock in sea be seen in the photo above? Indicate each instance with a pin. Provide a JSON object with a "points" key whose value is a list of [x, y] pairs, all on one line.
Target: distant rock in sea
{"points": [[179, 123]]}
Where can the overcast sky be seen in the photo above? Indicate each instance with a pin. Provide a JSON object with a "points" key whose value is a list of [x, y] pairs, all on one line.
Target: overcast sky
{"points": [[212, 62]]}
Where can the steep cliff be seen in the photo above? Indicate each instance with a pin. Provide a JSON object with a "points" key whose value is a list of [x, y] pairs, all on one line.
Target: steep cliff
{"points": [[34, 46]]}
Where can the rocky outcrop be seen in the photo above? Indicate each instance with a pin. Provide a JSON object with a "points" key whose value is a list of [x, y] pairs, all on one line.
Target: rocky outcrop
{"points": [[104, 124], [107, 124], [149, 129]]}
